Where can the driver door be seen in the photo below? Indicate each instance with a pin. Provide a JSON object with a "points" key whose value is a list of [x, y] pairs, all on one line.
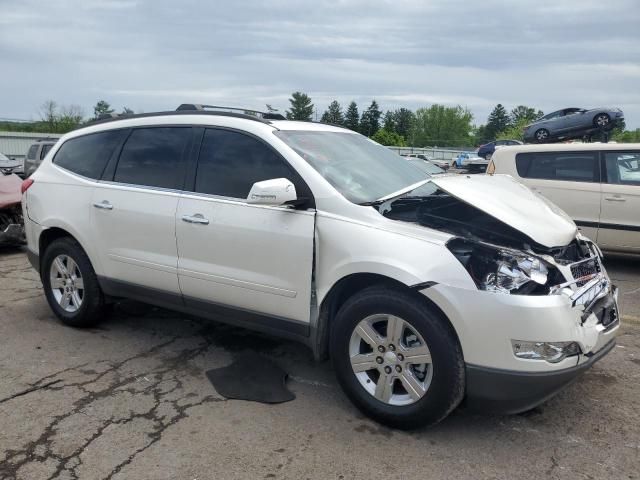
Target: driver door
{"points": [[253, 258]]}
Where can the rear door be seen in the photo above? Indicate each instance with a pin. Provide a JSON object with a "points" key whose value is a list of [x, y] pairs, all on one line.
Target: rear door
{"points": [[620, 211], [255, 258], [134, 208], [571, 180]]}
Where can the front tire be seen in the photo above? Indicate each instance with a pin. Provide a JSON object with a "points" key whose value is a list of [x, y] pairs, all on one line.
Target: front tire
{"points": [[397, 358], [70, 284], [601, 120]]}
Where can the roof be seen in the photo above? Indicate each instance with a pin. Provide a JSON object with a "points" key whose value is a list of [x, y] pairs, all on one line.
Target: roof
{"points": [[568, 147]]}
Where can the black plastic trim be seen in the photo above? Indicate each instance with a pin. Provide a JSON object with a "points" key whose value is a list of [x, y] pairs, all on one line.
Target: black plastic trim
{"points": [[508, 391], [610, 226], [34, 260], [279, 326]]}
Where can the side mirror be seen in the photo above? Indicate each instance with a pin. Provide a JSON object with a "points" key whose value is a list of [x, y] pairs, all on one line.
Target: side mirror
{"points": [[274, 192]]}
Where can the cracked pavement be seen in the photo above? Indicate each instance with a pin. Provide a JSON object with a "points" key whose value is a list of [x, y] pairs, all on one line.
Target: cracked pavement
{"points": [[130, 400]]}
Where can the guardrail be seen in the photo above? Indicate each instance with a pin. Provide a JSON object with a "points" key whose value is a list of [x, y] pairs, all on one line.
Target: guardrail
{"points": [[435, 153]]}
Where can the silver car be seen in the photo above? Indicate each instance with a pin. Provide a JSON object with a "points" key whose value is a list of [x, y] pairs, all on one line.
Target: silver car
{"points": [[572, 123], [10, 165]]}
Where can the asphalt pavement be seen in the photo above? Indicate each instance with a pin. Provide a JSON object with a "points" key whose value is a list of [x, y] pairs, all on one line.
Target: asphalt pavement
{"points": [[130, 400]]}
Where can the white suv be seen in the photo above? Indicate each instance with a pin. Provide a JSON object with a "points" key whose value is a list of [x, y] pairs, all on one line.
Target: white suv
{"points": [[422, 290]]}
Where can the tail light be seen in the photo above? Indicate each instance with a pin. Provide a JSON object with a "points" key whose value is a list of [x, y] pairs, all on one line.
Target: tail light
{"points": [[25, 185]]}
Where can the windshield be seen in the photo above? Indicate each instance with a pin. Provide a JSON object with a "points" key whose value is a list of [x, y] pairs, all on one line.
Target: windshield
{"points": [[360, 169]]}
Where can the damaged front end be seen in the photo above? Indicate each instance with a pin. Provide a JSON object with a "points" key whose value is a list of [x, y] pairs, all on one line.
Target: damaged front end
{"points": [[502, 259], [11, 221]]}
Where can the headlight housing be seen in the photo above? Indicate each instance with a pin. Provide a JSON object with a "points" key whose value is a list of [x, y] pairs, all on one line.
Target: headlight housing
{"points": [[503, 270]]}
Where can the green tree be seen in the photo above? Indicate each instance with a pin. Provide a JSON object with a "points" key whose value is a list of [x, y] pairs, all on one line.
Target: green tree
{"points": [[524, 113], [627, 136], [370, 120], [389, 122], [403, 119], [480, 135], [514, 131], [443, 126], [102, 108], [333, 114], [497, 122], [301, 107], [352, 118], [389, 138]]}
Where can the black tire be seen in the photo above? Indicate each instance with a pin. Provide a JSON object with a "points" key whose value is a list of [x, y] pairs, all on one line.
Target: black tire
{"points": [[541, 135], [92, 307], [602, 120], [448, 381]]}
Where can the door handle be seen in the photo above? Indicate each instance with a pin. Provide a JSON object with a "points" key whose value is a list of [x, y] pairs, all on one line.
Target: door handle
{"points": [[196, 218], [615, 199], [104, 205]]}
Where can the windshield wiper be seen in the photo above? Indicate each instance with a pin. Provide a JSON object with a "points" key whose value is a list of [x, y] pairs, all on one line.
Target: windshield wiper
{"points": [[394, 195]]}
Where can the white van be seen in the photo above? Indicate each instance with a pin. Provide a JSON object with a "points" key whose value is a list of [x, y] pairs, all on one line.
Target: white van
{"points": [[597, 184]]}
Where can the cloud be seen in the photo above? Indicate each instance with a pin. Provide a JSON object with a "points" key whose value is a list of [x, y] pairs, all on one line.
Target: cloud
{"points": [[153, 55]]}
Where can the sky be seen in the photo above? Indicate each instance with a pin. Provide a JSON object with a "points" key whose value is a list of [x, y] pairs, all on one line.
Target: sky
{"points": [[152, 55]]}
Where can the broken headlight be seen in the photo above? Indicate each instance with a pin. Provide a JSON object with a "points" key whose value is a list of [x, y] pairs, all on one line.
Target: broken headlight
{"points": [[502, 270]]}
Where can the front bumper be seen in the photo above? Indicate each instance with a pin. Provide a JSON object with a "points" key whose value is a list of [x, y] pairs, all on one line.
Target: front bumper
{"points": [[508, 392]]}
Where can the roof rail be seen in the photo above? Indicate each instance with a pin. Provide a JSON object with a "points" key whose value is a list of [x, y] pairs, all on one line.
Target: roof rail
{"points": [[245, 111], [111, 117]]}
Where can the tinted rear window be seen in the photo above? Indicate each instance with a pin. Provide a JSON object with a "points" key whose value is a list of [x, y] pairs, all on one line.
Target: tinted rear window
{"points": [[154, 157], [88, 155], [31, 154], [566, 166]]}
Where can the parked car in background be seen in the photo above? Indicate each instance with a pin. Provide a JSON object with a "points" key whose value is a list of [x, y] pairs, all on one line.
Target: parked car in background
{"points": [[485, 151], [471, 162], [10, 165], [571, 123], [597, 184], [426, 166], [443, 164], [36, 153]]}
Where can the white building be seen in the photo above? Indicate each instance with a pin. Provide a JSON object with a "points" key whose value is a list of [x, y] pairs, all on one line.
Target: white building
{"points": [[16, 144]]}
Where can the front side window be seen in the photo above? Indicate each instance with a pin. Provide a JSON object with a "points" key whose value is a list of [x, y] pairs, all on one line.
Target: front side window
{"points": [[154, 157], [231, 162], [88, 155], [360, 169], [623, 167], [566, 166]]}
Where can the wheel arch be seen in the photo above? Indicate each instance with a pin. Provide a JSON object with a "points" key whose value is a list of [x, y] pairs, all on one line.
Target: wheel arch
{"points": [[350, 285], [50, 234]]}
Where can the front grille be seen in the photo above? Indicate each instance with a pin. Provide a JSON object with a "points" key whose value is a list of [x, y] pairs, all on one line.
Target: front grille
{"points": [[585, 270]]}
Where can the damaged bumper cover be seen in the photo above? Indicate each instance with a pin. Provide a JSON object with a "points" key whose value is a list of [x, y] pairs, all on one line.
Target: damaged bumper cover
{"points": [[582, 311]]}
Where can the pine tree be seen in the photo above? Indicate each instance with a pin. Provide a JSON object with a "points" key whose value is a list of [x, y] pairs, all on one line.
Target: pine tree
{"points": [[102, 108], [351, 117], [333, 114], [404, 120], [301, 107], [497, 122], [389, 122], [370, 120]]}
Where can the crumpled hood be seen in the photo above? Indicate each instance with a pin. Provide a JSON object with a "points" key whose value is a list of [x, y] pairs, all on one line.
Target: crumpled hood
{"points": [[513, 204]]}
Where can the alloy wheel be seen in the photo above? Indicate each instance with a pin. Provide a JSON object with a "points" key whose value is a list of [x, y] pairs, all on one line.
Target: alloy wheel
{"points": [[602, 120], [66, 283], [390, 359]]}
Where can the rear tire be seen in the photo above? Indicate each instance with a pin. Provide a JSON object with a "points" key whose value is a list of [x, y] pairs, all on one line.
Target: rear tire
{"points": [[541, 135], [416, 393], [70, 284]]}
